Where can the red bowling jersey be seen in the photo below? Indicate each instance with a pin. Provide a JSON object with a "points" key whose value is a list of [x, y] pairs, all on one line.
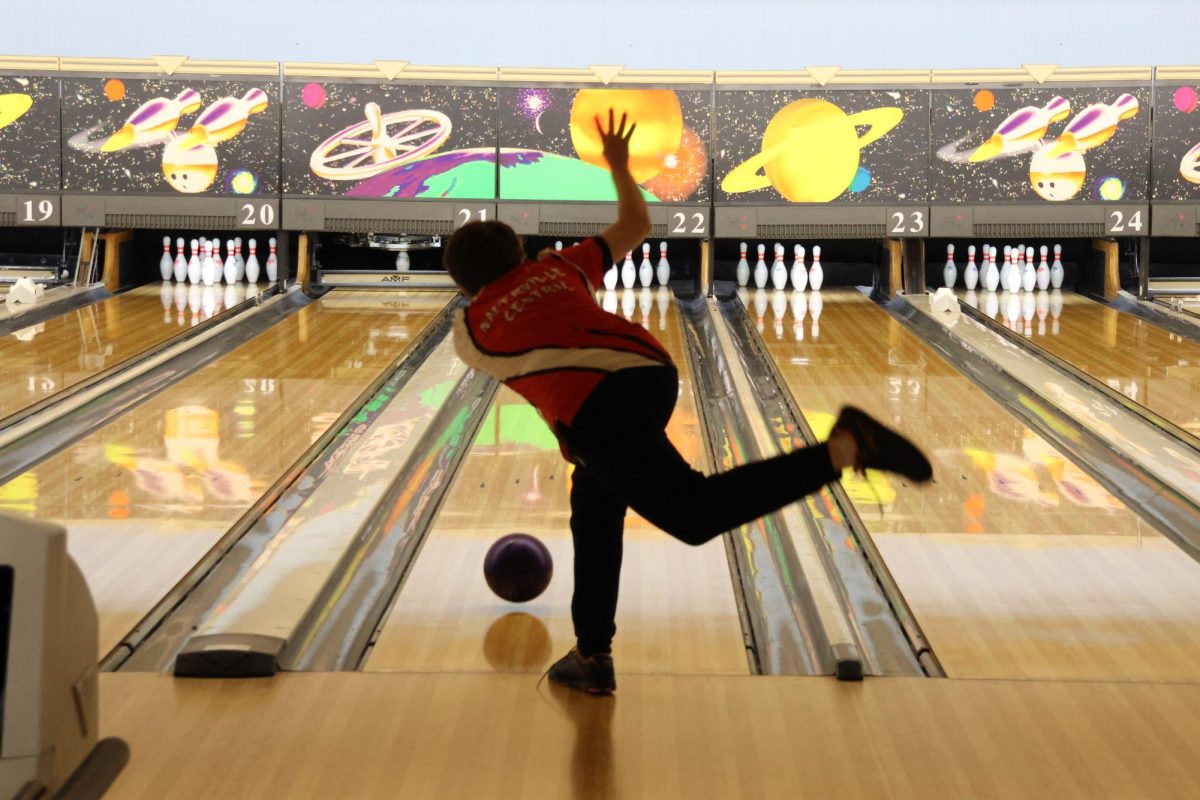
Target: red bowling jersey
{"points": [[539, 330]]}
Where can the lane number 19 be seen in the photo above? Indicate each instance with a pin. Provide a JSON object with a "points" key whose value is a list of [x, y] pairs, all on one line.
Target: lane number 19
{"points": [[37, 211]]}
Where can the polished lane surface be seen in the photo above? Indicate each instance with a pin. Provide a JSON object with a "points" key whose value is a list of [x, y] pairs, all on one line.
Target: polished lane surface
{"points": [[146, 496], [1148, 364], [1017, 563], [44, 359], [677, 612]]}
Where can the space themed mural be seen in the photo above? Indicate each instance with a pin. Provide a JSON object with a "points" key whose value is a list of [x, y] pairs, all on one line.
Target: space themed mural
{"points": [[177, 136], [849, 146], [1045, 144], [29, 157], [1176, 154], [385, 141], [550, 149]]}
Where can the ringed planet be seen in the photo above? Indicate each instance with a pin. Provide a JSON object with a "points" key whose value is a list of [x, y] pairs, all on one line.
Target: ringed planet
{"points": [[13, 107], [810, 150]]}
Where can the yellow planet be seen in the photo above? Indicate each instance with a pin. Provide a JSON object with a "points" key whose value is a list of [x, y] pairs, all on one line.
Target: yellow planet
{"points": [[659, 120], [810, 150], [13, 107]]}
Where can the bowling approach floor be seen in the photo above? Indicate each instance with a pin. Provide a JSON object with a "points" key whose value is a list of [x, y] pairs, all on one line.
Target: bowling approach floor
{"points": [[1074, 619]]}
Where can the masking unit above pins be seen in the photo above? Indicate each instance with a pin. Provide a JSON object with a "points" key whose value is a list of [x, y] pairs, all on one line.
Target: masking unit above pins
{"points": [[821, 152], [553, 177], [1175, 171], [1040, 150], [388, 147], [170, 142], [31, 180]]}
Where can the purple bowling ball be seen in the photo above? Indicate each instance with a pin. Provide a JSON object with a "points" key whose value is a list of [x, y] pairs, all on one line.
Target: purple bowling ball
{"points": [[518, 567]]}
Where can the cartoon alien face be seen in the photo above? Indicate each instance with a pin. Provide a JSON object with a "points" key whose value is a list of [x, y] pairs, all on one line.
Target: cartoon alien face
{"points": [[1059, 178], [190, 170]]}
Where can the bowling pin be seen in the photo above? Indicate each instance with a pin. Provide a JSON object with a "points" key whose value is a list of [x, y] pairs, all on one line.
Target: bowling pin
{"points": [[991, 278], [207, 268], [663, 273], [241, 262], [971, 273], [218, 264], [1006, 270], [646, 269], [779, 272], [816, 275], [815, 304], [1029, 275], [1056, 275], [403, 261], [760, 268], [950, 271], [610, 279], [180, 262], [1094, 125], [224, 119], [1021, 130], [193, 265], [799, 273], [761, 301], [252, 263], [230, 264], [1043, 272], [166, 264], [272, 261], [743, 267], [799, 311], [628, 272]]}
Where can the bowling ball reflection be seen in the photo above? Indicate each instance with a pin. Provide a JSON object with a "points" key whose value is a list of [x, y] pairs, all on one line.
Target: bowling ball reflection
{"points": [[517, 642]]}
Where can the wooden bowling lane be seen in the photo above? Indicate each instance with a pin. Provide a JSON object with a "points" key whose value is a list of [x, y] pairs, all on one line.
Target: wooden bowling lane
{"points": [[1146, 363], [1016, 563], [677, 612], [44, 359], [144, 497]]}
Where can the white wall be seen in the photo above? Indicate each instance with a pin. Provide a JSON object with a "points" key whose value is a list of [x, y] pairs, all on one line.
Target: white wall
{"points": [[689, 34]]}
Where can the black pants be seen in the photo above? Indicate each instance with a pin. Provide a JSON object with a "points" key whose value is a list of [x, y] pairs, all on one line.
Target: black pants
{"points": [[623, 459]]}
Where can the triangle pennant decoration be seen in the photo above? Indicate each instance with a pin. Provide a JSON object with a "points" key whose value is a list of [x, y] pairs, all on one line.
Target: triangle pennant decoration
{"points": [[822, 75], [391, 69], [1040, 71], [606, 72], [169, 64]]}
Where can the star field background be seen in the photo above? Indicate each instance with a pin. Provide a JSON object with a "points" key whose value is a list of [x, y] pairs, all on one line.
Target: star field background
{"points": [[1175, 132], [897, 161], [472, 113], [954, 118], [29, 147], [138, 170], [519, 128]]}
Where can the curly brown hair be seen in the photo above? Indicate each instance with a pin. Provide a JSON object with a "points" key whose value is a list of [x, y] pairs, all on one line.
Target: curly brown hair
{"points": [[480, 252]]}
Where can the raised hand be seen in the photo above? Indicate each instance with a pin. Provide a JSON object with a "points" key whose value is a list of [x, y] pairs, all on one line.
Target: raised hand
{"points": [[616, 141]]}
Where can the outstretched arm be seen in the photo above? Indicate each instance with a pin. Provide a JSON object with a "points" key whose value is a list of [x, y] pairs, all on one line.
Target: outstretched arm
{"points": [[633, 219]]}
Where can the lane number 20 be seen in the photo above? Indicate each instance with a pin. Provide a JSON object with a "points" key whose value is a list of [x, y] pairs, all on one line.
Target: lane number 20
{"points": [[257, 215]]}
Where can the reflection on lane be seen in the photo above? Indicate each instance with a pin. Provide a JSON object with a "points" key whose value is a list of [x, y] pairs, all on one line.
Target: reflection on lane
{"points": [[145, 496], [1016, 562], [677, 613]]}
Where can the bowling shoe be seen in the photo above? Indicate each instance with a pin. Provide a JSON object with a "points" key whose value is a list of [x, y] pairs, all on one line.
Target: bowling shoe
{"points": [[592, 674]]}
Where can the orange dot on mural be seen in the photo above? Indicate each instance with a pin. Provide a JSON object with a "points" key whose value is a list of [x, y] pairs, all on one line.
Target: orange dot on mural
{"points": [[114, 89], [985, 100]]}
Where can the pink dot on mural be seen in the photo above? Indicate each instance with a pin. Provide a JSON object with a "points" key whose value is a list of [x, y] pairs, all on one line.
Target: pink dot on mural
{"points": [[314, 95], [1185, 99]]}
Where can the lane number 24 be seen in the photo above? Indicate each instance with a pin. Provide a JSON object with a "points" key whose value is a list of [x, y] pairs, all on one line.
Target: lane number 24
{"points": [[1117, 222]]}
